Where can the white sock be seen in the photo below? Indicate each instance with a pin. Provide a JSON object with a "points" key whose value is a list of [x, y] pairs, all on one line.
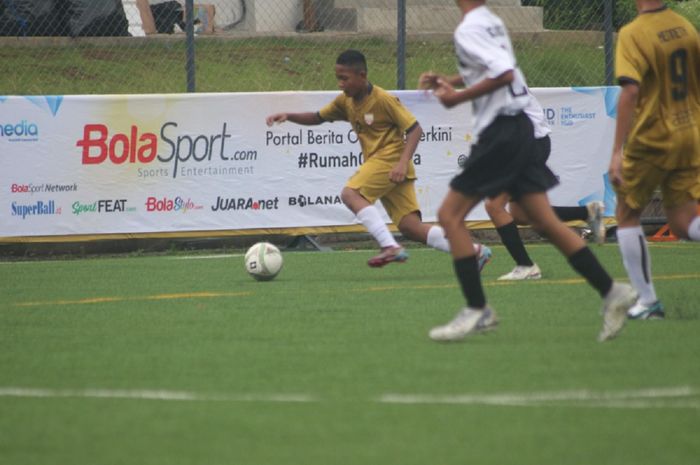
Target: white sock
{"points": [[437, 240], [637, 261], [694, 229], [372, 220]]}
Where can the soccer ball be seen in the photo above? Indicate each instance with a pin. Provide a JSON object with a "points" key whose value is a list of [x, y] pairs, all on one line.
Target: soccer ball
{"points": [[263, 261]]}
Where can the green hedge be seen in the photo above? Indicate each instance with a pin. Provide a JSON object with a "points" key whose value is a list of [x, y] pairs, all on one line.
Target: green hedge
{"points": [[589, 14], [690, 9]]}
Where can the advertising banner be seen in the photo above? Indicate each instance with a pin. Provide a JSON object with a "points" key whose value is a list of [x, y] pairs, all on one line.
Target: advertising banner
{"points": [[116, 164]]}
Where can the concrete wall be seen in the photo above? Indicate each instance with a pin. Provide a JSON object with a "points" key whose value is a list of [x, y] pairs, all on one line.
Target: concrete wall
{"points": [[379, 16], [437, 15], [385, 3], [272, 15]]}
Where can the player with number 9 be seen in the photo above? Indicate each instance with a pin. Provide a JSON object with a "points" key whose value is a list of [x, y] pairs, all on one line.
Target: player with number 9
{"points": [[657, 137]]}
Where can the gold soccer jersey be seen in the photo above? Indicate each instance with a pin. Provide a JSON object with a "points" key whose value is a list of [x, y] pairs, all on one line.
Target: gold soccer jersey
{"points": [[379, 121], [660, 50]]}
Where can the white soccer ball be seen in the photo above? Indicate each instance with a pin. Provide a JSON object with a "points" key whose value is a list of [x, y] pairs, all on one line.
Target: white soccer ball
{"points": [[263, 261]]}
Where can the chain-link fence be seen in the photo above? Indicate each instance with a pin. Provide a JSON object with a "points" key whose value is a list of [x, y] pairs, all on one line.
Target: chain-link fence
{"points": [[143, 46]]}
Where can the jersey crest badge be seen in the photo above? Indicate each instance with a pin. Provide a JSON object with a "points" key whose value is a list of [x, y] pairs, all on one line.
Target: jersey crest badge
{"points": [[369, 118]]}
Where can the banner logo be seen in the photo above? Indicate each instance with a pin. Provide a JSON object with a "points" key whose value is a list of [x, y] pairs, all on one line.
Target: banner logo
{"points": [[47, 187], [310, 200], [99, 146], [244, 203], [567, 116], [101, 206], [23, 131], [34, 209], [165, 204]]}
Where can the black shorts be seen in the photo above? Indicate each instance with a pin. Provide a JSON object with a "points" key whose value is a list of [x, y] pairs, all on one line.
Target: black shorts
{"points": [[507, 158], [543, 147]]}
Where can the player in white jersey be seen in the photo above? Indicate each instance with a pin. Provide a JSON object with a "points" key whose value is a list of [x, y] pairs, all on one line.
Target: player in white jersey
{"points": [[506, 221], [503, 160]]}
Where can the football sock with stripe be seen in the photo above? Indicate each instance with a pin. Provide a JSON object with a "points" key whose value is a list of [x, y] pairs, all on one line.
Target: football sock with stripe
{"points": [[637, 261]]}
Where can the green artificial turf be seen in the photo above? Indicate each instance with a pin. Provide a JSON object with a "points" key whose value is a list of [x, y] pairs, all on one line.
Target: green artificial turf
{"points": [[188, 360]]}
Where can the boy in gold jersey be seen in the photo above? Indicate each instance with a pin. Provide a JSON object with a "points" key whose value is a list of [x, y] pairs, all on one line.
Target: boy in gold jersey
{"points": [[657, 137], [388, 134]]}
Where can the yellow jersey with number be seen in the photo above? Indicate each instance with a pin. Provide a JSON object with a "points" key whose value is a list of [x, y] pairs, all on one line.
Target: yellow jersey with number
{"points": [[660, 50], [380, 121]]}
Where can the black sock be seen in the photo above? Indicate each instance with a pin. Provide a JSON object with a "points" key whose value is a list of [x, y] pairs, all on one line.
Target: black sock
{"points": [[514, 244], [467, 271], [571, 213], [588, 266]]}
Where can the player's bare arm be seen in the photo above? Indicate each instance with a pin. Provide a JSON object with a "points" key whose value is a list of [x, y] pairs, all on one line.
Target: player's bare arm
{"points": [[428, 80], [625, 118], [400, 170], [450, 97], [307, 118]]}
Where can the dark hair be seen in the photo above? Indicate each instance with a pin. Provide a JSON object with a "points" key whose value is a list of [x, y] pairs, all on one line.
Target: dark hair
{"points": [[352, 58]]}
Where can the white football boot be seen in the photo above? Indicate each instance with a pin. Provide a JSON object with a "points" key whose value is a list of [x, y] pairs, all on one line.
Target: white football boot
{"points": [[521, 273], [639, 311], [595, 220], [467, 321], [615, 305]]}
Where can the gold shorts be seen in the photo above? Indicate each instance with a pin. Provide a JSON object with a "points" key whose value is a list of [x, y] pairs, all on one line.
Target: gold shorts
{"points": [[641, 178], [373, 183]]}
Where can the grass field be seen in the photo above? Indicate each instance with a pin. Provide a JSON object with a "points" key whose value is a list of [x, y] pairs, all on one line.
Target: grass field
{"points": [[268, 64], [186, 360]]}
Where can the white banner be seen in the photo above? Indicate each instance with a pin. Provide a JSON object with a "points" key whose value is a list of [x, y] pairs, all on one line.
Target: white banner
{"points": [[83, 165]]}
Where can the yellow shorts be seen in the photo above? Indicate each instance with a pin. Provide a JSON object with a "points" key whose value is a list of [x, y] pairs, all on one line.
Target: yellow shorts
{"points": [[373, 183], [642, 178]]}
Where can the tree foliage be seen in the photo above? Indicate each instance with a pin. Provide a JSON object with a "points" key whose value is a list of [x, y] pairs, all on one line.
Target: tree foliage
{"points": [[589, 14]]}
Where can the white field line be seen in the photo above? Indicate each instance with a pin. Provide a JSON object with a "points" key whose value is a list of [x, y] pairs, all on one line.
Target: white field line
{"points": [[671, 403], [214, 256], [205, 257], [184, 257], [641, 398], [150, 395], [683, 397], [295, 252], [683, 245]]}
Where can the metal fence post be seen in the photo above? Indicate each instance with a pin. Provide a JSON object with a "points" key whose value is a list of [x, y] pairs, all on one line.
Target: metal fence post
{"points": [[401, 45], [189, 26], [608, 22]]}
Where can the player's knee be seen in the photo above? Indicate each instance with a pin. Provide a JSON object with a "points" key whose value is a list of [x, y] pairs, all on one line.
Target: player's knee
{"points": [[446, 219], [520, 218], [409, 231], [543, 228], [498, 213], [491, 207], [348, 196], [412, 227]]}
